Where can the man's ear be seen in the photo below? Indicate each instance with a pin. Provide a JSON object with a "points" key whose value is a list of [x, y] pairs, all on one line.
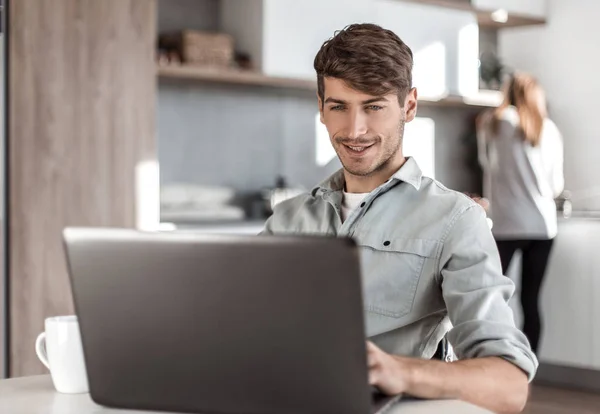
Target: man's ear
{"points": [[410, 104], [320, 102]]}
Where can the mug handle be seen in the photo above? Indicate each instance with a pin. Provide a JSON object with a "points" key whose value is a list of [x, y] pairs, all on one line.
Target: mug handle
{"points": [[40, 349]]}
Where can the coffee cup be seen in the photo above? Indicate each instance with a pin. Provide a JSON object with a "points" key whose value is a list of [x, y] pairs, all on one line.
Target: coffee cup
{"points": [[59, 349]]}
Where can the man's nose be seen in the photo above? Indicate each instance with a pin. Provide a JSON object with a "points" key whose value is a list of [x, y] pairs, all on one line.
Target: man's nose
{"points": [[357, 126]]}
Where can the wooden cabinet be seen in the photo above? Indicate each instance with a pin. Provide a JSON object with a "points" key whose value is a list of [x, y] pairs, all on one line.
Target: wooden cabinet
{"points": [[81, 122]]}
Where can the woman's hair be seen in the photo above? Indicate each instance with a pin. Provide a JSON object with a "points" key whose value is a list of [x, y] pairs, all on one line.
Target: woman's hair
{"points": [[523, 92]]}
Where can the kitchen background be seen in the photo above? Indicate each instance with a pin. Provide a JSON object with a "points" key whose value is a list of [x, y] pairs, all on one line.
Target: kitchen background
{"points": [[229, 141], [238, 139], [85, 135]]}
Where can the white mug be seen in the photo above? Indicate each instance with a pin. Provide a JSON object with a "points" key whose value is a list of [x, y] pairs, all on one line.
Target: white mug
{"points": [[59, 348]]}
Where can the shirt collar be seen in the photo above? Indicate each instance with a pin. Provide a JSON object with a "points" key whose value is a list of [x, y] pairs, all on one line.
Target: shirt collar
{"points": [[409, 173]]}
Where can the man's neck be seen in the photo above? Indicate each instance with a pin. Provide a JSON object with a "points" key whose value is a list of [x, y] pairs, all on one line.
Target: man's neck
{"points": [[366, 184]]}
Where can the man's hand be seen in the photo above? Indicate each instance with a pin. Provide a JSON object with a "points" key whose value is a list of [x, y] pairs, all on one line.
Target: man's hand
{"points": [[386, 372], [489, 382]]}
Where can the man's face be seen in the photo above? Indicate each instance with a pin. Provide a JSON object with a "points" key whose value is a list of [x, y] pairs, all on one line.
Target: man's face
{"points": [[365, 131]]}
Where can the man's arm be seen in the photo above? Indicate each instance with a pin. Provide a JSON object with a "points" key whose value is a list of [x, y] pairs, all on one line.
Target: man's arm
{"points": [[491, 382], [495, 359], [476, 294]]}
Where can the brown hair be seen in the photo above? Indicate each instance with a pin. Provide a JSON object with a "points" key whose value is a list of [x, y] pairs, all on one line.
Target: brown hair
{"points": [[368, 58], [522, 91]]}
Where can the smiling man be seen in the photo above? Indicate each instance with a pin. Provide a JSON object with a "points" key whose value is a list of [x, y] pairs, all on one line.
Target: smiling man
{"points": [[431, 270]]}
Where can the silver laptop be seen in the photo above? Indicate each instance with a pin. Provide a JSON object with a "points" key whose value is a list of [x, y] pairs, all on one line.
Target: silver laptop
{"points": [[221, 323]]}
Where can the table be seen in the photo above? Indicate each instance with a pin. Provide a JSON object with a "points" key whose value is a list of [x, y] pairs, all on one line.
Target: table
{"points": [[36, 395]]}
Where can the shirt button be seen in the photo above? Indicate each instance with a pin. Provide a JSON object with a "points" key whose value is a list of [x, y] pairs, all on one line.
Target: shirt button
{"points": [[386, 243]]}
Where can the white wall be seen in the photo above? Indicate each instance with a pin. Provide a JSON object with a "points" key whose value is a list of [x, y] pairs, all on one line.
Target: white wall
{"points": [[187, 14], [244, 21], [563, 56], [295, 30], [446, 48]]}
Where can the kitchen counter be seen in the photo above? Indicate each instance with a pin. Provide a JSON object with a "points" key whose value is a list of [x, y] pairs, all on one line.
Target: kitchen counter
{"points": [[36, 395], [580, 215], [226, 227], [570, 294]]}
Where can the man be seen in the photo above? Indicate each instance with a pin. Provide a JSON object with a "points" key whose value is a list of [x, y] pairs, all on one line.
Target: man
{"points": [[431, 269]]}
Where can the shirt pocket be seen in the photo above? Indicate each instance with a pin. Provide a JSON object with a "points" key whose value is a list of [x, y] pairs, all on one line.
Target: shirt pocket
{"points": [[391, 270]]}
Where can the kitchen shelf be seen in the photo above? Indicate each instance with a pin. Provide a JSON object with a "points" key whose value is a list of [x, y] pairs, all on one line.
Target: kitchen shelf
{"points": [[242, 77], [484, 17], [233, 76]]}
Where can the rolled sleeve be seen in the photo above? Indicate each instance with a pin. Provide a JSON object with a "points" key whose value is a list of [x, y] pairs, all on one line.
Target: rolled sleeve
{"points": [[477, 294]]}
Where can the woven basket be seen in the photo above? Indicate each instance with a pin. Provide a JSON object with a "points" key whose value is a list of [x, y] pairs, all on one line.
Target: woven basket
{"points": [[201, 48]]}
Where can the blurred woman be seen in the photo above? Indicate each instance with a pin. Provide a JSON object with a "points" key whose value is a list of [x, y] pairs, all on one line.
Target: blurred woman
{"points": [[521, 153]]}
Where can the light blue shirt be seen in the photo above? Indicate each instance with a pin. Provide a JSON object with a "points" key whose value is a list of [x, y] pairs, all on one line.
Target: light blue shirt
{"points": [[430, 266]]}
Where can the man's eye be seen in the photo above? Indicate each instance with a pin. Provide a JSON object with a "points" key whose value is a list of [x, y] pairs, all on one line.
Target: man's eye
{"points": [[374, 108], [336, 108]]}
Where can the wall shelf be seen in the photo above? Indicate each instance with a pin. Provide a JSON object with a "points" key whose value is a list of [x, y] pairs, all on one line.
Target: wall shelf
{"points": [[484, 17], [241, 77], [232, 76]]}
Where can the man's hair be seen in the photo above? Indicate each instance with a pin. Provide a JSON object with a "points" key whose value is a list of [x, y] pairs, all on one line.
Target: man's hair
{"points": [[369, 58]]}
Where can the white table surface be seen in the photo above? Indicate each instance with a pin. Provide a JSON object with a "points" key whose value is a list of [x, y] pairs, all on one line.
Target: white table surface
{"points": [[36, 395]]}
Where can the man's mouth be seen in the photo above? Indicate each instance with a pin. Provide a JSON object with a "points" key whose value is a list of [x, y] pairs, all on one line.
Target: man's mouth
{"points": [[358, 149]]}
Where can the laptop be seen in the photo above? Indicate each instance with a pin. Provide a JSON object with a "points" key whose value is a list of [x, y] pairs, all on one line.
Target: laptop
{"points": [[223, 324]]}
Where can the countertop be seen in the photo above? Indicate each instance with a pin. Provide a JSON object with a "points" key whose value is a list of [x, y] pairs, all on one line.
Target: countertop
{"points": [[36, 395]]}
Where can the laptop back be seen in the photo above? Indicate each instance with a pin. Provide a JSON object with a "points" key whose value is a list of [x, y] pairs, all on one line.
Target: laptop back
{"points": [[220, 324]]}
